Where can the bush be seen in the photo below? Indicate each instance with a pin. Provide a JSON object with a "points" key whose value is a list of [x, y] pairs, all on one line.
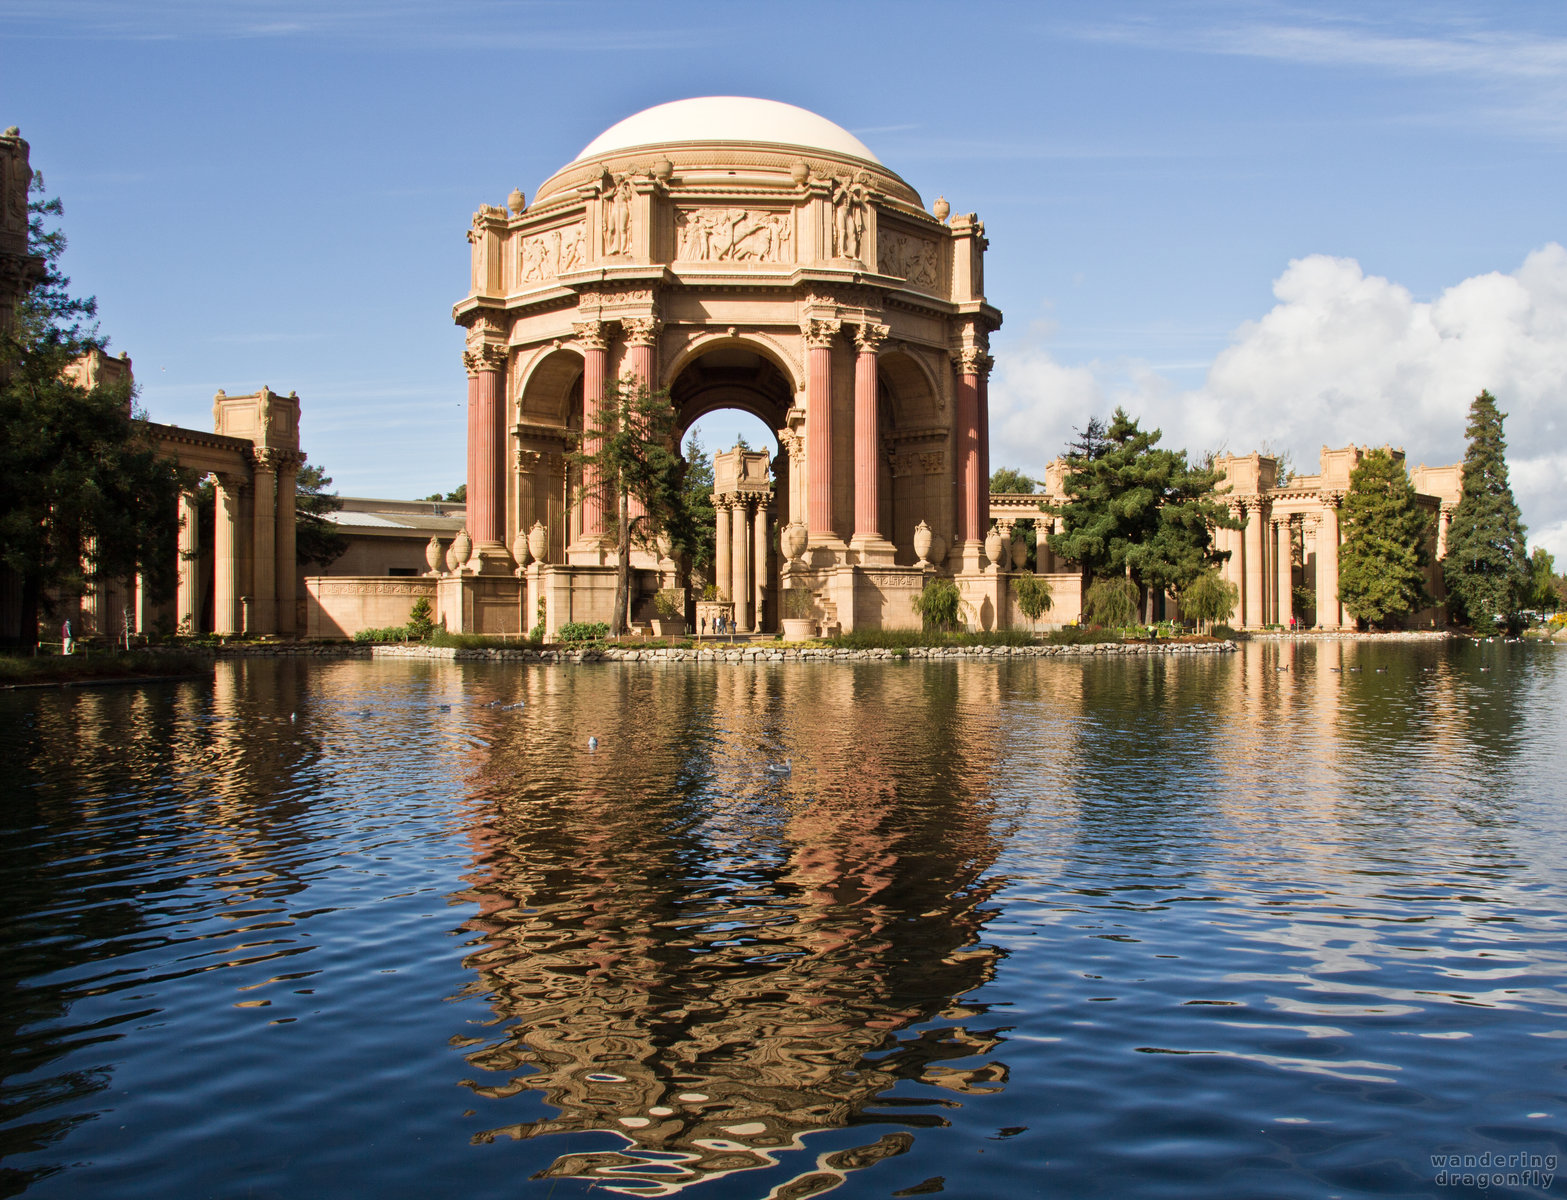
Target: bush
{"points": [[420, 622], [584, 631], [668, 604], [798, 604], [1033, 596], [392, 633], [939, 604], [908, 639], [476, 641], [1079, 635], [1210, 597]]}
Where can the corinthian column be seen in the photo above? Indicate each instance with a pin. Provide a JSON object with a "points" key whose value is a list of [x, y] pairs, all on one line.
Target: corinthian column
{"points": [[740, 562], [759, 566], [263, 542], [973, 367], [225, 556], [286, 572], [722, 574], [1286, 575], [868, 539], [818, 429], [1256, 579], [594, 343], [1329, 612], [487, 452], [642, 366], [185, 612]]}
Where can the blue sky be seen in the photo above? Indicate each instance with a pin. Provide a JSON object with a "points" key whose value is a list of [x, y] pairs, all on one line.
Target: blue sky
{"points": [[1249, 223]]}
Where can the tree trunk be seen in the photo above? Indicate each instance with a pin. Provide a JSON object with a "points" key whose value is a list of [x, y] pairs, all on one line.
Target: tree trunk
{"points": [[622, 562]]}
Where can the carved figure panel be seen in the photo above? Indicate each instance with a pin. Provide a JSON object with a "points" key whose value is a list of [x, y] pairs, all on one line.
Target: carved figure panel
{"points": [[552, 252], [733, 235], [850, 201], [908, 257], [617, 216]]}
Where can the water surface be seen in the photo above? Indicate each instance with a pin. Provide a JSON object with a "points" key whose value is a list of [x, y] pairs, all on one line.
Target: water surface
{"points": [[1258, 925]]}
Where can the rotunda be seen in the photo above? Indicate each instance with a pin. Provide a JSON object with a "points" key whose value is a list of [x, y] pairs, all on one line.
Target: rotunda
{"points": [[736, 253]]}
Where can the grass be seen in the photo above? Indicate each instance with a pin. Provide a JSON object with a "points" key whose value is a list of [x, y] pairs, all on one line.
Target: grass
{"points": [[114, 664]]}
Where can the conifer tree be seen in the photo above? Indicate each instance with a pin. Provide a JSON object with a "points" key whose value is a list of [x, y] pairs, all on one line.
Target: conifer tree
{"points": [[1134, 509], [1486, 568], [1386, 536]]}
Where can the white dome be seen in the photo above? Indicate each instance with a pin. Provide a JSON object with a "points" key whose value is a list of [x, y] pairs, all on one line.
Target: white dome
{"points": [[727, 119]]}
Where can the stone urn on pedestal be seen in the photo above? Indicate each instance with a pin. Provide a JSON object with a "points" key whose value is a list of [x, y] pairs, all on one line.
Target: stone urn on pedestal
{"points": [[1019, 551], [461, 548], [995, 546], [799, 615], [938, 549], [539, 543], [434, 554], [519, 550], [792, 541], [923, 540]]}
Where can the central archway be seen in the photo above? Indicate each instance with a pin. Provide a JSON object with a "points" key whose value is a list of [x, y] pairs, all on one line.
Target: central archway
{"points": [[751, 494]]}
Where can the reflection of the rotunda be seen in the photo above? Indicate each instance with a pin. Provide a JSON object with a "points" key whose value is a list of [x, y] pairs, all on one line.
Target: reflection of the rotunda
{"points": [[712, 965]]}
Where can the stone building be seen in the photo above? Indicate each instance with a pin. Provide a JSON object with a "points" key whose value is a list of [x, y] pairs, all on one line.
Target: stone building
{"points": [[741, 254]]}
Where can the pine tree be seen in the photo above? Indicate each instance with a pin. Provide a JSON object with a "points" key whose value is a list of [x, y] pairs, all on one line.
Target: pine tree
{"points": [[1386, 536], [1486, 568], [1133, 509], [317, 540], [697, 487]]}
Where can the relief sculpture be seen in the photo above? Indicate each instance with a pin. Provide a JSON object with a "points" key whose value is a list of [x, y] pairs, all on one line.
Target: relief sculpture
{"points": [[733, 235], [910, 258], [849, 204], [553, 252]]}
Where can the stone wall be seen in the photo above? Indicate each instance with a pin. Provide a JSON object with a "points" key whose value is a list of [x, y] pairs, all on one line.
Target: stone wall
{"points": [[339, 606]]}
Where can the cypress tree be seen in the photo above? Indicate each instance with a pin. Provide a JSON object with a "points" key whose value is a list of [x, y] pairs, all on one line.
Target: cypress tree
{"points": [[1487, 567], [1382, 562]]}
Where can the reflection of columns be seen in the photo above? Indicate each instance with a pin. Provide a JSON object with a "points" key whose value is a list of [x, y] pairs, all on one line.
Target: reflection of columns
{"points": [[185, 615], [287, 484], [759, 572], [721, 545], [1328, 615], [1285, 597], [867, 468], [739, 563], [595, 362], [818, 428], [487, 454], [263, 542], [225, 556], [1255, 576]]}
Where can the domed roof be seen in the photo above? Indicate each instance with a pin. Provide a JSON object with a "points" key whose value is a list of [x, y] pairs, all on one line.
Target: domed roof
{"points": [[727, 119]]}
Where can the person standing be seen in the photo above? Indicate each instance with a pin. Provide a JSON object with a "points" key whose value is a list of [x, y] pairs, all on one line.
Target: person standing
{"points": [[67, 643]]}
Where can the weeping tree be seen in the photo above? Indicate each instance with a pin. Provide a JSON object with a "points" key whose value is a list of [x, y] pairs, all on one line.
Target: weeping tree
{"points": [[635, 455], [1209, 599]]}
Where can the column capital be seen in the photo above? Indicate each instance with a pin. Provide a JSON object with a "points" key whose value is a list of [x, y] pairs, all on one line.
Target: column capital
{"points": [[971, 360], [591, 335], [641, 331], [265, 458], [819, 332], [1332, 499], [868, 338]]}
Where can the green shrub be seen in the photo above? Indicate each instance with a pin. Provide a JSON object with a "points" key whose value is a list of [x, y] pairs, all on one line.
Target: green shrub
{"points": [[1033, 595], [908, 639], [584, 631], [1080, 635], [669, 604], [420, 622], [392, 633], [798, 604], [939, 604]]}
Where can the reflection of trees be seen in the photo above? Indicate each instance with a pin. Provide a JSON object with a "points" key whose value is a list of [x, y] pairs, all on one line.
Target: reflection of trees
{"points": [[713, 964]]}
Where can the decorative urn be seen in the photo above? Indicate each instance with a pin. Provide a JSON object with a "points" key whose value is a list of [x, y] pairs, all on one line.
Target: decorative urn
{"points": [[462, 549], [938, 548], [800, 172], [1019, 551], [993, 547], [539, 542], [666, 546], [433, 553], [516, 202], [519, 548], [941, 208], [923, 539], [793, 540]]}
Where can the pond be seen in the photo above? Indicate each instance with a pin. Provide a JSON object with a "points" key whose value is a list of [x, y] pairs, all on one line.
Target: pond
{"points": [[1285, 923]]}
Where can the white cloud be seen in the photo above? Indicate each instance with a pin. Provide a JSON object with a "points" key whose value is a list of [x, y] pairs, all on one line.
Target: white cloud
{"points": [[1342, 357]]}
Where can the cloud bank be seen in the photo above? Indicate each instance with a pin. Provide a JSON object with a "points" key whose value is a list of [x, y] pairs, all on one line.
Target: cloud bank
{"points": [[1342, 357]]}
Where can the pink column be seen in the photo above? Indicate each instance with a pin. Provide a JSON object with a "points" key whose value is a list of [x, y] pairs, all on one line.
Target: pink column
{"points": [[867, 476], [595, 363], [642, 364], [487, 478], [969, 527], [818, 428], [471, 360]]}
